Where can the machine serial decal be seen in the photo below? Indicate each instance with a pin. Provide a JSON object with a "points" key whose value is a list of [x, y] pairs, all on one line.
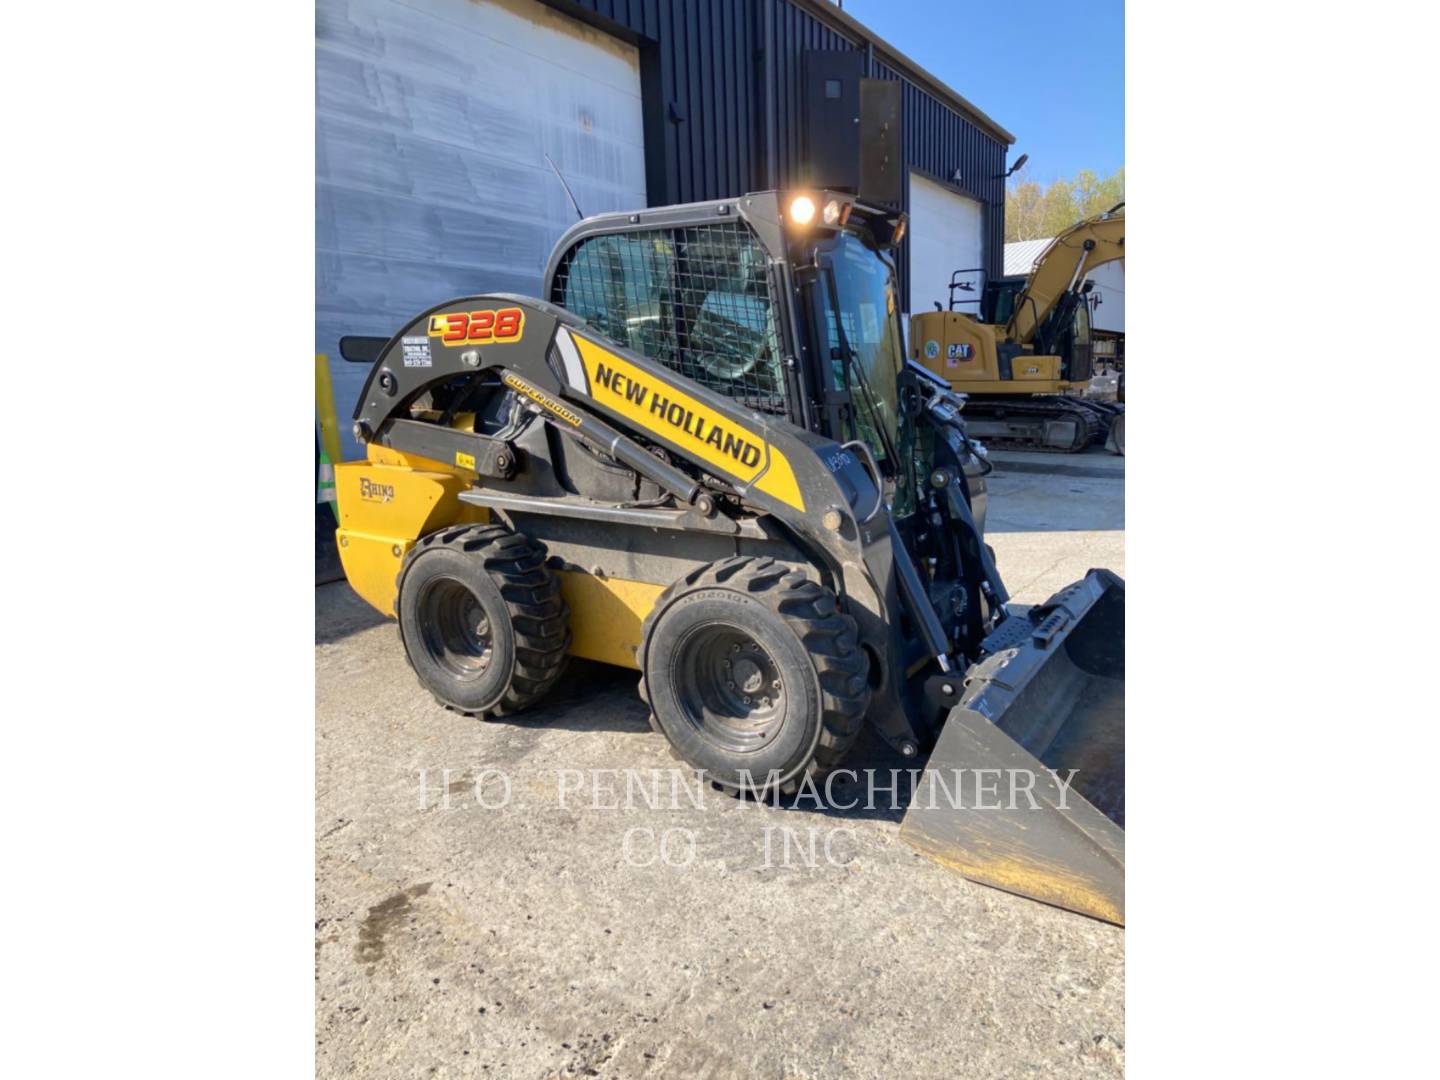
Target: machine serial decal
{"points": [[544, 400], [502, 326], [656, 406], [416, 351]]}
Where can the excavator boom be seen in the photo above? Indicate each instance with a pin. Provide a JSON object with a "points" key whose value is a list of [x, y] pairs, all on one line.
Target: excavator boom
{"points": [[1063, 266]]}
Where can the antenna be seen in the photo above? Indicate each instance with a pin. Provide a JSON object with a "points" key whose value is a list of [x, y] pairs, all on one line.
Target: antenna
{"points": [[570, 194]]}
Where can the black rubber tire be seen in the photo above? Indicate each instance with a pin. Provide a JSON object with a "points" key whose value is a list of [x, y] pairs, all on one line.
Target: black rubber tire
{"points": [[505, 574], [816, 654]]}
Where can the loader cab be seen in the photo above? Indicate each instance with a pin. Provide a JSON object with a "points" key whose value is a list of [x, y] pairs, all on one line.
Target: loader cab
{"points": [[786, 302]]}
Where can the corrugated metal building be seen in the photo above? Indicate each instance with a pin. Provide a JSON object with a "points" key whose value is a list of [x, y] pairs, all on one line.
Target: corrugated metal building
{"points": [[434, 119]]}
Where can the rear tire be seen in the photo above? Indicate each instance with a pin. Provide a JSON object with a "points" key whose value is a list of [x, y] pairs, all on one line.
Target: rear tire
{"points": [[754, 675], [481, 619]]}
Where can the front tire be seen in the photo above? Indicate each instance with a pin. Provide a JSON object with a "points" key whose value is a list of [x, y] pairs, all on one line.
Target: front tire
{"points": [[482, 620], [754, 675]]}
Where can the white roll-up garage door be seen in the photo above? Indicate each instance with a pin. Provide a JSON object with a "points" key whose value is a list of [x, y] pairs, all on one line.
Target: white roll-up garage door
{"points": [[432, 124], [947, 233]]}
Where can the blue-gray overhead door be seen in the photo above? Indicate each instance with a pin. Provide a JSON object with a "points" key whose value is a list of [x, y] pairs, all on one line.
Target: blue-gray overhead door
{"points": [[432, 123]]}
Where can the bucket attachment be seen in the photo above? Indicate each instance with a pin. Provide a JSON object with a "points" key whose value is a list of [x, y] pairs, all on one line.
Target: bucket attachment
{"points": [[998, 800]]}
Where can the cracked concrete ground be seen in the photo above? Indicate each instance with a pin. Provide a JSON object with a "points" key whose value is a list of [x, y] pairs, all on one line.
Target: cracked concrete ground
{"points": [[493, 932]]}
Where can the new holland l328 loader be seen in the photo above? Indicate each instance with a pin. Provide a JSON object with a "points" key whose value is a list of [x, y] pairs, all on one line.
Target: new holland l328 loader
{"points": [[705, 457]]}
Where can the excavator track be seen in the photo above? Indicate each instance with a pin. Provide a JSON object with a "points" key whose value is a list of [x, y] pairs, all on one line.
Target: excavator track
{"points": [[1049, 423]]}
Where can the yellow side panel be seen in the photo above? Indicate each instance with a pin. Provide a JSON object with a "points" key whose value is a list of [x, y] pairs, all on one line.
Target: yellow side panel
{"points": [[384, 509], [956, 347], [606, 615]]}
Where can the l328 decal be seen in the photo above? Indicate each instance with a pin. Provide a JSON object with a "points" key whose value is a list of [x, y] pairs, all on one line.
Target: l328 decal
{"points": [[502, 325]]}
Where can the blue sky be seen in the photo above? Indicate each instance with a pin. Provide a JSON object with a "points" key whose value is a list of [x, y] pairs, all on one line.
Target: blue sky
{"points": [[1051, 73]]}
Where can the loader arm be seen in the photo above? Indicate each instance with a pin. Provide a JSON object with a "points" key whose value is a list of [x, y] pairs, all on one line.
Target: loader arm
{"points": [[1062, 267]]}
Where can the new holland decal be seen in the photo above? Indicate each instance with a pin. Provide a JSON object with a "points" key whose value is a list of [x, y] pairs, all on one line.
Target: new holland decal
{"points": [[654, 405]]}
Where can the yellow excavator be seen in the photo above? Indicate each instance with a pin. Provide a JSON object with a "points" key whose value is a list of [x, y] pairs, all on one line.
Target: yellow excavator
{"points": [[1024, 359]]}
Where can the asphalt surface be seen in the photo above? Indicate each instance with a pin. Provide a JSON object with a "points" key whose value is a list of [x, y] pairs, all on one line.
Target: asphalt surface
{"points": [[528, 926]]}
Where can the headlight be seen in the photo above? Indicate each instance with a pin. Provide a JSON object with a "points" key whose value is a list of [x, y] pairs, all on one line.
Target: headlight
{"points": [[802, 210], [831, 214]]}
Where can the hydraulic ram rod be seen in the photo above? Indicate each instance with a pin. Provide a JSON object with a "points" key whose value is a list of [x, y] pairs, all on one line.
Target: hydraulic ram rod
{"points": [[606, 439]]}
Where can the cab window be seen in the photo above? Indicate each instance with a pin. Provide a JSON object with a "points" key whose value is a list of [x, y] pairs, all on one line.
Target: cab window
{"points": [[695, 299]]}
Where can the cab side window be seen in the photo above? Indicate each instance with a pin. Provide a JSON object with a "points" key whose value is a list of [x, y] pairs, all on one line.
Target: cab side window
{"points": [[695, 299]]}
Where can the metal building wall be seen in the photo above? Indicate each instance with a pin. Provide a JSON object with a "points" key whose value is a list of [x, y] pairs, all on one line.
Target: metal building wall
{"points": [[717, 127]]}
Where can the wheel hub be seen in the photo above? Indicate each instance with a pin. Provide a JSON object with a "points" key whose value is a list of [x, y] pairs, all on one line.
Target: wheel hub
{"points": [[455, 628], [729, 688]]}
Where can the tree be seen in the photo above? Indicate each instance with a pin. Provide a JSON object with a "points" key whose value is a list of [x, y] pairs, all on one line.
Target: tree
{"points": [[1033, 212]]}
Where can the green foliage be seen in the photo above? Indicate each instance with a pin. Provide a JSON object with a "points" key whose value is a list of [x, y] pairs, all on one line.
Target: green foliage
{"points": [[1033, 212]]}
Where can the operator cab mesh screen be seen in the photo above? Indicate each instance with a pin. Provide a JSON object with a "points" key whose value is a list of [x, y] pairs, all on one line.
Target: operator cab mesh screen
{"points": [[696, 299]]}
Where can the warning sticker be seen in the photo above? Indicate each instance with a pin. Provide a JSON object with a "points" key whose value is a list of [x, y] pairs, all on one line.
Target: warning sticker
{"points": [[417, 351]]}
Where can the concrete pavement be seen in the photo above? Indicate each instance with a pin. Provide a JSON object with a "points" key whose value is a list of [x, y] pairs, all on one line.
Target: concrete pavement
{"points": [[547, 896]]}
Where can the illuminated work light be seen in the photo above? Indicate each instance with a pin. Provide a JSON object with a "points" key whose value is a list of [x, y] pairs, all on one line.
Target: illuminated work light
{"points": [[802, 210]]}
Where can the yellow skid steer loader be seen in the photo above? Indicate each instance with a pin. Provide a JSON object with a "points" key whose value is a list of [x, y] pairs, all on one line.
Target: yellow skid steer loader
{"points": [[705, 457]]}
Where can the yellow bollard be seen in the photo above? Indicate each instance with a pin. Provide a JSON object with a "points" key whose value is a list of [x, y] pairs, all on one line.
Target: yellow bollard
{"points": [[329, 433]]}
